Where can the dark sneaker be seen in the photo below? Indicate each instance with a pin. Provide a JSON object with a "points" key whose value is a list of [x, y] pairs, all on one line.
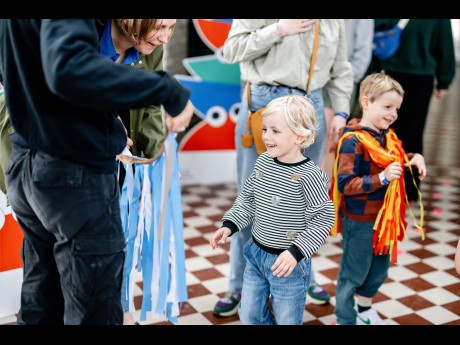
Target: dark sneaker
{"points": [[227, 305], [317, 295]]}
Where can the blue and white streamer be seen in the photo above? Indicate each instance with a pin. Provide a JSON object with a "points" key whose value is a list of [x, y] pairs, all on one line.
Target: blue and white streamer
{"points": [[152, 219]]}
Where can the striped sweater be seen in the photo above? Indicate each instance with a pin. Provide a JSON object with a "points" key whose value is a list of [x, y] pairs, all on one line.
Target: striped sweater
{"points": [[288, 204]]}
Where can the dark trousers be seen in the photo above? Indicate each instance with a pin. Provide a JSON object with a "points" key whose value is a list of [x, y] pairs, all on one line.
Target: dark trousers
{"points": [[410, 125], [72, 252]]}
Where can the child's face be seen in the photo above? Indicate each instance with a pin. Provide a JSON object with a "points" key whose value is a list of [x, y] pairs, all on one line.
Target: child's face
{"points": [[280, 140], [380, 114]]}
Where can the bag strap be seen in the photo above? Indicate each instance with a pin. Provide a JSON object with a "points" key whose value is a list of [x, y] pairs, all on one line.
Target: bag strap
{"points": [[248, 95], [313, 55], [402, 23]]}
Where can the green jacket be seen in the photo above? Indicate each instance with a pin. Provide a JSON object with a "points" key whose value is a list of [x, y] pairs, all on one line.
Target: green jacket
{"points": [[147, 129], [426, 48]]}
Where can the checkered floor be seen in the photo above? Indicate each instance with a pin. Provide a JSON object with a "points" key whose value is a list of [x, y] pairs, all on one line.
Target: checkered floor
{"points": [[422, 288]]}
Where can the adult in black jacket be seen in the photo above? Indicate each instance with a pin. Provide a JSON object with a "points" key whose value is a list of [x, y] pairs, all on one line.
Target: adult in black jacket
{"points": [[62, 97]]}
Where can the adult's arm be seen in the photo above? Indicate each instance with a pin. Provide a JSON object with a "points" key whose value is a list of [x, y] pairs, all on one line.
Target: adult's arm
{"points": [[249, 39], [76, 72], [444, 53], [360, 44]]}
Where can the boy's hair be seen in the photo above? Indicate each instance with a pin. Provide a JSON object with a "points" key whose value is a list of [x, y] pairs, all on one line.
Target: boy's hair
{"points": [[299, 113], [138, 29], [376, 84]]}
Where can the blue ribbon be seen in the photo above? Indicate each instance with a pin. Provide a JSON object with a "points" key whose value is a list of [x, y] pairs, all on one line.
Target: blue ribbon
{"points": [[162, 266]]}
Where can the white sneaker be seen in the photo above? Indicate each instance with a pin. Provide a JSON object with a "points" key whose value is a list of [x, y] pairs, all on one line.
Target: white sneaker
{"points": [[369, 318]]}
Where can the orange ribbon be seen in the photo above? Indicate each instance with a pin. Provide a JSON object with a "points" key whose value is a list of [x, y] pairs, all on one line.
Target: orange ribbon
{"points": [[390, 224]]}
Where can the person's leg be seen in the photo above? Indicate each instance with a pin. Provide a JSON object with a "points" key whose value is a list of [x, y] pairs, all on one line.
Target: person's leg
{"points": [[328, 159], [245, 160], [354, 267], [316, 151], [253, 308], [42, 301], [288, 294], [128, 318], [89, 238], [378, 273], [316, 293]]}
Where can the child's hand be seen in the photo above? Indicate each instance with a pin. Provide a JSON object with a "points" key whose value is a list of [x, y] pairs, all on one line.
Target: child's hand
{"points": [[418, 161], [220, 236], [284, 264], [393, 171]]}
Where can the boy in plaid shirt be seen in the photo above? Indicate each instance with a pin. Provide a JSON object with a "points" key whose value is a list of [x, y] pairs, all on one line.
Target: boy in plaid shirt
{"points": [[369, 198]]}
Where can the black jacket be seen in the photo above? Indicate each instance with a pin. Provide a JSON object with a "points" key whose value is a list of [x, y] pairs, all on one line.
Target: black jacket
{"points": [[62, 95]]}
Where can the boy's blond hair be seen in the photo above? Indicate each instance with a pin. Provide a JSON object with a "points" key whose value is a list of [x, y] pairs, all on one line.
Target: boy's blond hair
{"points": [[300, 116], [138, 29], [376, 84]]}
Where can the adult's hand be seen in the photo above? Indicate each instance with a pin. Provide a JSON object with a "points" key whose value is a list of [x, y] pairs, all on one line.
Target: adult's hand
{"points": [[180, 122], [337, 123], [440, 94], [288, 27]]}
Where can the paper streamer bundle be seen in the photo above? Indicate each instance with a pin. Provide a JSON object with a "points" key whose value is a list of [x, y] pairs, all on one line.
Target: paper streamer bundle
{"points": [[152, 219]]}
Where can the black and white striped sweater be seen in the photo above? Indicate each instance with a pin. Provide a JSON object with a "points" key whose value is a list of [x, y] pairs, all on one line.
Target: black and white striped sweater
{"points": [[288, 204]]}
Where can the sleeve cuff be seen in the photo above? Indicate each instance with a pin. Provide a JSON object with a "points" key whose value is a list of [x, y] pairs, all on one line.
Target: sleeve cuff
{"points": [[295, 252], [344, 115], [232, 226]]}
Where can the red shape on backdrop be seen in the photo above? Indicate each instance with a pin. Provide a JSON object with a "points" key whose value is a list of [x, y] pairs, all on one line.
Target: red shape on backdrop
{"points": [[212, 32], [11, 237], [221, 138]]}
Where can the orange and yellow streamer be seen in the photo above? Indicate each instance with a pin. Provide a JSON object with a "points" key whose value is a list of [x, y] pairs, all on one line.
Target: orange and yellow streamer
{"points": [[390, 224]]}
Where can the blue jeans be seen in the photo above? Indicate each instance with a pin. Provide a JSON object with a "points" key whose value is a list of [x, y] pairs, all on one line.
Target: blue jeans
{"points": [[72, 253], [246, 158], [287, 294], [361, 272]]}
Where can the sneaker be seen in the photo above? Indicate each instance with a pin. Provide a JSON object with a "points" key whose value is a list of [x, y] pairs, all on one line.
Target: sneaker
{"points": [[317, 295], [227, 305], [369, 318]]}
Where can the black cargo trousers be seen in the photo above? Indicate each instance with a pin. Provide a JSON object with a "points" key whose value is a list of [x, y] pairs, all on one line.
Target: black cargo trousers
{"points": [[73, 248]]}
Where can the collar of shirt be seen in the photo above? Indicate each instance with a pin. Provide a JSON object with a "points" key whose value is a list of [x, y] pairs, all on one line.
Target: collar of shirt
{"points": [[106, 47]]}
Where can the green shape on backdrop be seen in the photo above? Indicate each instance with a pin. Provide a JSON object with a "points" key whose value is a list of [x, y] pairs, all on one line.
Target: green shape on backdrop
{"points": [[210, 68]]}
